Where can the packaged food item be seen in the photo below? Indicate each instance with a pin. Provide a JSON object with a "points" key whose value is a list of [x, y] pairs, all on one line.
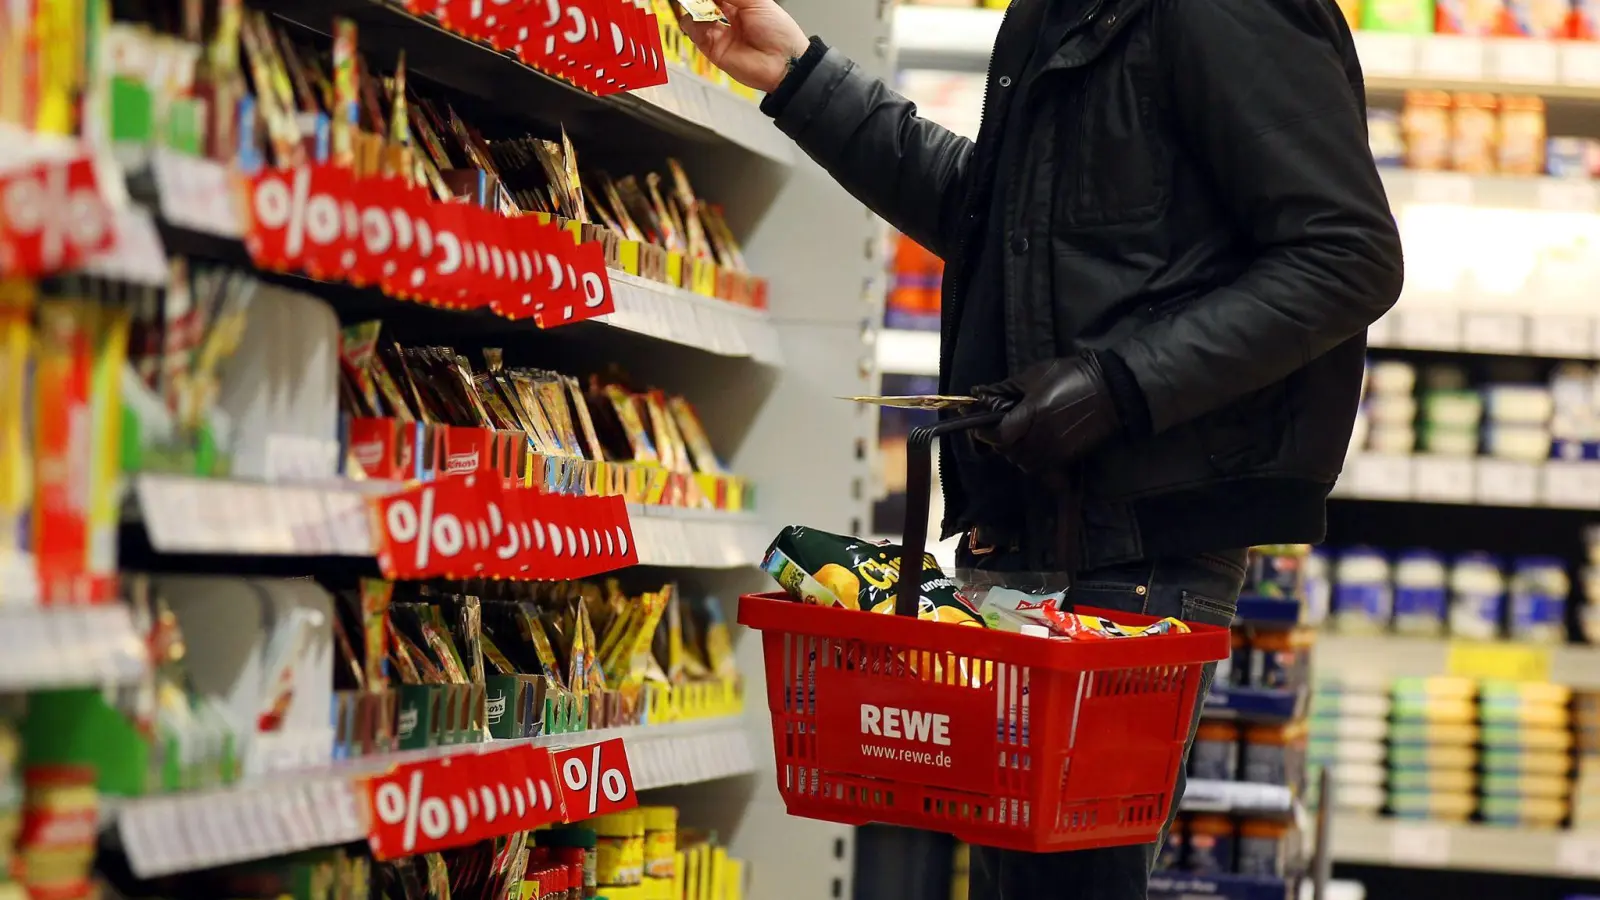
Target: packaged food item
{"points": [[1475, 135], [660, 840], [1215, 754], [1539, 589], [1585, 20], [1475, 18], [1420, 593], [1522, 142], [1171, 858], [1211, 845], [1277, 571], [1078, 627], [1425, 123], [60, 827], [1280, 659], [1008, 609], [576, 844], [1451, 806], [1275, 754], [1398, 16], [830, 570], [1572, 157], [1544, 20], [1444, 780], [1318, 587], [1363, 598], [1265, 848], [1477, 597], [1386, 137], [619, 849]]}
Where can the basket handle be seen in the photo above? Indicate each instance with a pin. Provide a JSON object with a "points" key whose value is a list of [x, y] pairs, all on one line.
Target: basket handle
{"points": [[919, 494]]}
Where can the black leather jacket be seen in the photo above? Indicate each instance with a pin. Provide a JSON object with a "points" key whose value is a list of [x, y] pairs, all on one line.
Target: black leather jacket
{"points": [[1198, 203]]}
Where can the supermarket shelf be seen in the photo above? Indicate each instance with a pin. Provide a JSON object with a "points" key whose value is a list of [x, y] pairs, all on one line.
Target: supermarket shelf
{"points": [[962, 38], [685, 538], [1254, 704], [1497, 191], [199, 204], [1237, 798], [939, 36], [683, 317], [905, 352], [1452, 329], [1473, 481], [68, 646], [688, 106], [1556, 69], [1369, 840], [1164, 885], [1391, 656], [1268, 611], [289, 813], [331, 518]]}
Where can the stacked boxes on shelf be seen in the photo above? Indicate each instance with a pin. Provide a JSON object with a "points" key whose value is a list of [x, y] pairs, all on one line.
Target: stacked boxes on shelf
{"points": [[1433, 754], [1349, 726], [1527, 744], [1586, 741]]}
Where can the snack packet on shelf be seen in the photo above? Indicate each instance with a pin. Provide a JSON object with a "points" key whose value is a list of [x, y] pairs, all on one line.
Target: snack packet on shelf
{"points": [[831, 570]]}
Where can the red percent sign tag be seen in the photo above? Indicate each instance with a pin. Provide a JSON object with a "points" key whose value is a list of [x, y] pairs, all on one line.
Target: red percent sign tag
{"points": [[596, 779], [457, 801], [52, 218]]}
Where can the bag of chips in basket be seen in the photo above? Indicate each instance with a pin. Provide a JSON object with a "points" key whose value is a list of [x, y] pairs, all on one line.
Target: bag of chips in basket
{"points": [[831, 570]]}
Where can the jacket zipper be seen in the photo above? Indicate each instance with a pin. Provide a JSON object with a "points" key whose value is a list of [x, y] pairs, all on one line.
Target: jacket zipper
{"points": [[950, 311]]}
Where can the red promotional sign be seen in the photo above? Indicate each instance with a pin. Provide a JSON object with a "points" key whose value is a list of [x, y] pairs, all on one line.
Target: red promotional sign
{"points": [[596, 780], [321, 220], [52, 218], [456, 801], [472, 525]]}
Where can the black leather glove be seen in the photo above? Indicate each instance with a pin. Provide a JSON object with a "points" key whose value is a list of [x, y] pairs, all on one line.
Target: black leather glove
{"points": [[1062, 410]]}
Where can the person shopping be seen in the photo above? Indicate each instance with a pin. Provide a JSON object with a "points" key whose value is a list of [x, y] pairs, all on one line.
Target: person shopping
{"points": [[1164, 249]]}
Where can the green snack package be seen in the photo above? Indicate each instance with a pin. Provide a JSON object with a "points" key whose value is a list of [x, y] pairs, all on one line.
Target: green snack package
{"points": [[830, 570]]}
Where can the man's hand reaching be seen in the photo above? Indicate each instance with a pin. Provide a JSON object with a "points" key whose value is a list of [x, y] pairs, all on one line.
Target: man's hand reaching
{"points": [[755, 47]]}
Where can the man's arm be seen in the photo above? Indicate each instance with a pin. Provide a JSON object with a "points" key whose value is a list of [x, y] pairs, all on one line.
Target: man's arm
{"points": [[905, 168], [1266, 106]]}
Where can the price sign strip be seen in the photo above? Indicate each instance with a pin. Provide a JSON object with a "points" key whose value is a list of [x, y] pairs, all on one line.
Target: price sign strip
{"points": [[290, 812], [67, 646], [683, 317], [1482, 481]]}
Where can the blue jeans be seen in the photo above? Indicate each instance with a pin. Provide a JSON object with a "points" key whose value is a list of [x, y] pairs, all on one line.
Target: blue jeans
{"points": [[1203, 588]]}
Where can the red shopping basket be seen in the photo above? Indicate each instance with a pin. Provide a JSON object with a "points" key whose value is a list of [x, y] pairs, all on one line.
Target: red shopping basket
{"points": [[999, 739]]}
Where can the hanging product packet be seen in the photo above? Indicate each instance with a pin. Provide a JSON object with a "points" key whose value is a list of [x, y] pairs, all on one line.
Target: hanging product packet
{"points": [[831, 570]]}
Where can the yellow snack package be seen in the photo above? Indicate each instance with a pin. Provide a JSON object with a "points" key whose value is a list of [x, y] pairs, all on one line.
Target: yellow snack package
{"points": [[830, 570]]}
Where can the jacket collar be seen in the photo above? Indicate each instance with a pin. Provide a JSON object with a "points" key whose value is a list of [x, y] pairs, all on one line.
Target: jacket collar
{"points": [[1102, 21]]}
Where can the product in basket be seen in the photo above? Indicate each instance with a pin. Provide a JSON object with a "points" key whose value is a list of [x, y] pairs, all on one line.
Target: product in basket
{"points": [[1007, 609], [831, 570]]}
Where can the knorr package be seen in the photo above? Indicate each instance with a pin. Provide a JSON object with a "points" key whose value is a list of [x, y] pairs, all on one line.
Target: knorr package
{"points": [[830, 570]]}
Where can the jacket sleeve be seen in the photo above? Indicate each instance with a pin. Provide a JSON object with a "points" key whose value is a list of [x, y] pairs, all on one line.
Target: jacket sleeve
{"points": [[870, 139], [1274, 115]]}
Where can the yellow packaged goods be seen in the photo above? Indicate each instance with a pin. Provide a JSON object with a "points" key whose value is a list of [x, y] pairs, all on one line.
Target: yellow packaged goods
{"points": [[660, 840], [830, 570]]}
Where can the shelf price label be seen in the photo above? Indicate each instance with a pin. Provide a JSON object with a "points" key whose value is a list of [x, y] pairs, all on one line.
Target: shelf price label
{"points": [[460, 800], [1494, 661], [1422, 846], [596, 779]]}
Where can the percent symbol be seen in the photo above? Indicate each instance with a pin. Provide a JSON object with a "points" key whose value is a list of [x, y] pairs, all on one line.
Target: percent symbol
{"points": [[407, 806], [407, 524], [591, 778]]}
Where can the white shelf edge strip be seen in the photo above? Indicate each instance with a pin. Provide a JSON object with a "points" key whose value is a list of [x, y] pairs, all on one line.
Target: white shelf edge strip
{"points": [[683, 317], [1388, 656], [68, 646], [1366, 839], [1553, 67], [1470, 481], [713, 107], [331, 518], [165, 835], [198, 194]]}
